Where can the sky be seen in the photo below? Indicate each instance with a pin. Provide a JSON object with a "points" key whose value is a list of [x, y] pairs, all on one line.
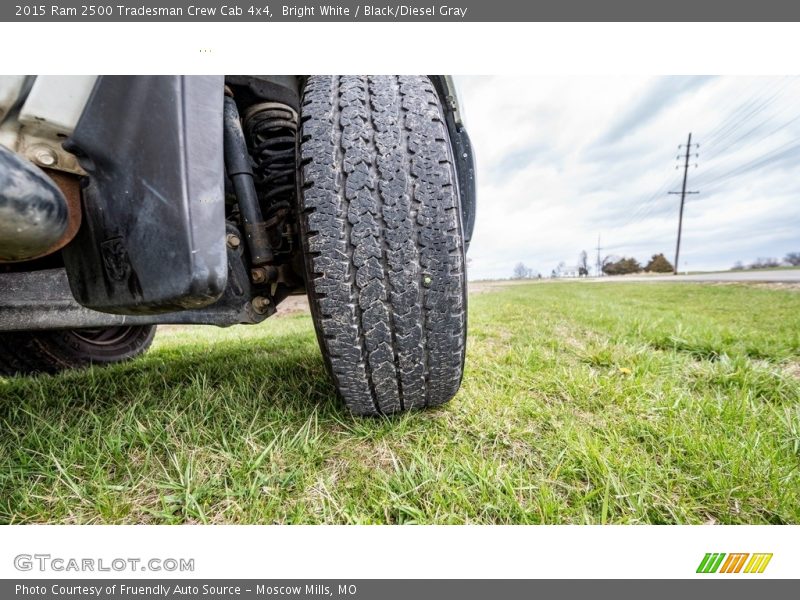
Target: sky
{"points": [[563, 160]]}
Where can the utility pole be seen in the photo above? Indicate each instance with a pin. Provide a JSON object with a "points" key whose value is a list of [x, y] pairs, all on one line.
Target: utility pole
{"points": [[683, 193], [599, 262]]}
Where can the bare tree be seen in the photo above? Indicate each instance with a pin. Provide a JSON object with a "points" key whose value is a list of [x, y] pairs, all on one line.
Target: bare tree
{"points": [[583, 264], [521, 271], [765, 263], [793, 258]]}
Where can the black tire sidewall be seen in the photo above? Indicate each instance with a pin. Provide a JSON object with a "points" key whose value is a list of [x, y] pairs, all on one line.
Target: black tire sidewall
{"points": [[135, 341]]}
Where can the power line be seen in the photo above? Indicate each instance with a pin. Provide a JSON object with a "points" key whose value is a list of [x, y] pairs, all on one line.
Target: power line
{"points": [[774, 155], [746, 111], [757, 141], [645, 208], [740, 107], [733, 142]]}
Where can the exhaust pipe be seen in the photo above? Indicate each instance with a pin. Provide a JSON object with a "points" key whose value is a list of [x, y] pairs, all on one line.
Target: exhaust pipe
{"points": [[33, 212]]}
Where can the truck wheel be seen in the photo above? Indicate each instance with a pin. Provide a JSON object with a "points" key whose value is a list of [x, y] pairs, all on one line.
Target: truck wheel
{"points": [[383, 240], [27, 352]]}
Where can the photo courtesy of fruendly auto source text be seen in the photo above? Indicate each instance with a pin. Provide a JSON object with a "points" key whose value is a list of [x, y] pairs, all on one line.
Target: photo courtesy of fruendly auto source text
{"points": [[516, 315]]}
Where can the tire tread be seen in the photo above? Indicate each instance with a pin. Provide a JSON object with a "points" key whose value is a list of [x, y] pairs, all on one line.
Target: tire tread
{"points": [[383, 241]]}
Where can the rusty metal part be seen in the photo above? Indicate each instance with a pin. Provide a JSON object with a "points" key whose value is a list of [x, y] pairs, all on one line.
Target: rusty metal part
{"points": [[263, 274], [277, 218], [233, 241], [261, 304], [33, 210], [257, 240], [70, 186], [258, 275]]}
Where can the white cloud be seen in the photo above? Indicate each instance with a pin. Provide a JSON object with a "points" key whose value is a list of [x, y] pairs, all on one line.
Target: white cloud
{"points": [[561, 160]]}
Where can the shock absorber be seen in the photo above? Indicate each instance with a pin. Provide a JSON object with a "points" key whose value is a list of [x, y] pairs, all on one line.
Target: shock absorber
{"points": [[271, 130], [240, 172]]}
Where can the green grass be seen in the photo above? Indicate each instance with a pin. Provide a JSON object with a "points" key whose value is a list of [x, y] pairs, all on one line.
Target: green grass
{"points": [[581, 403]]}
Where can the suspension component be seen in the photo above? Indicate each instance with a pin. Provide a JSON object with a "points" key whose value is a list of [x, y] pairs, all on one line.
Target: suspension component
{"points": [[240, 172], [271, 130]]}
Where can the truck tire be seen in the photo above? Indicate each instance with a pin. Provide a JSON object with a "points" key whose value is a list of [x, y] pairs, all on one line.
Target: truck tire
{"points": [[27, 352], [383, 241]]}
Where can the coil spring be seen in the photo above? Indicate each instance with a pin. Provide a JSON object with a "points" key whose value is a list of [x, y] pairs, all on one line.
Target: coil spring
{"points": [[271, 129]]}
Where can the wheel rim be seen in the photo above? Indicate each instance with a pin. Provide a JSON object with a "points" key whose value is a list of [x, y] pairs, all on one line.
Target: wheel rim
{"points": [[107, 336]]}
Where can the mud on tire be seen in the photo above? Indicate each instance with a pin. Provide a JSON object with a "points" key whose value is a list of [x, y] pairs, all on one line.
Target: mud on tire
{"points": [[383, 240]]}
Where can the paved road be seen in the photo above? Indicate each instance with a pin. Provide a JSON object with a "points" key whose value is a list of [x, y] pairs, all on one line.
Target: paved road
{"points": [[778, 276]]}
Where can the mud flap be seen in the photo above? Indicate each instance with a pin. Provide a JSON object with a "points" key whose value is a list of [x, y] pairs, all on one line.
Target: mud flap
{"points": [[153, 236]]}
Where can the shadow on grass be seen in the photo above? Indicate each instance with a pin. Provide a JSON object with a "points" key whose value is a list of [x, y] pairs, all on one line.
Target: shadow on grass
{"points": [[183, 434], [274, 382], [271, 378]]}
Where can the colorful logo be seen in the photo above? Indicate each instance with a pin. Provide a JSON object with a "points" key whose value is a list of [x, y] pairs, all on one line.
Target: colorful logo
{"points": [[719, 562]]}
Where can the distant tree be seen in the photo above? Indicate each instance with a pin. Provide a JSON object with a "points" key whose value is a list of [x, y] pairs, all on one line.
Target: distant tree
{"points": [[521, 271], [737, 266], [630, 265], [659, 264], [793, 258], [623, 266], [765, 263], [583, 264]]}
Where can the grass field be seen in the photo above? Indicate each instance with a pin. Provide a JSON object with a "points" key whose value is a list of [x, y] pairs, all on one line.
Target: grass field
{"points": [[581, 403]]}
